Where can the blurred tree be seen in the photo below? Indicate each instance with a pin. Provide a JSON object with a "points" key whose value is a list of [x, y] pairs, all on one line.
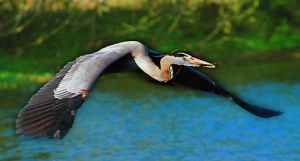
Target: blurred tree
{"points": [[28, 23]]}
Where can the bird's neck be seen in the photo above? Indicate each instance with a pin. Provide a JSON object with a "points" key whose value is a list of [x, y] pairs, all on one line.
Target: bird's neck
{"points": [[162, 74], [142, 59], [166, 68]]}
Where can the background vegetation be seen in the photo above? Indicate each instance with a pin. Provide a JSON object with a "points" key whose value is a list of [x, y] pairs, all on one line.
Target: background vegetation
{"points": [[38, 37]]}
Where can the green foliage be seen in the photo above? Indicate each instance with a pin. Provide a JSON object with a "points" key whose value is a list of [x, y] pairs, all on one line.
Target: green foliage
{"points": [[60, 30], [68, 28], [71, 26]]}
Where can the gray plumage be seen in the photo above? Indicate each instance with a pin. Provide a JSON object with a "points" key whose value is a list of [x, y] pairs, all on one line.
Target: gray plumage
{"points": [[51, 111], [43, 113]]}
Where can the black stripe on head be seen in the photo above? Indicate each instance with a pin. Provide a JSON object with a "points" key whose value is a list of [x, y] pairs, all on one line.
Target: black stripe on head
{"points": [[179, 54], [198, 56], [182, 54]]}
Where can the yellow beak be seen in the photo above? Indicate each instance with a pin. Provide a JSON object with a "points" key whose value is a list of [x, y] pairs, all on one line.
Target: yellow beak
{"points": [[202, 63]]}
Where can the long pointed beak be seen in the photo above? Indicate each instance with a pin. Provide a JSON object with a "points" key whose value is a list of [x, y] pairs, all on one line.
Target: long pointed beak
{"points": [[202, 63]]}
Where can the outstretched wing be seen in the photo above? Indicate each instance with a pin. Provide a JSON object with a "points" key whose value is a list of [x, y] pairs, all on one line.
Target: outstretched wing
{"points": [[51, 111], [45, 115], [195, 79]]}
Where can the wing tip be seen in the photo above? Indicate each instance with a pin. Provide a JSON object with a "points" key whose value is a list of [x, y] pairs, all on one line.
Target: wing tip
{"points": [[51, 123], [270, 113]]}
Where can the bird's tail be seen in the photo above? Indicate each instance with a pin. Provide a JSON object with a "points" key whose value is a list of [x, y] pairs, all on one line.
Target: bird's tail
{"points": [[256, 110]]}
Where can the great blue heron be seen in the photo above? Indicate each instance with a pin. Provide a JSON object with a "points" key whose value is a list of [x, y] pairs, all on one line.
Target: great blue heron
{"points": [[51, 111]]}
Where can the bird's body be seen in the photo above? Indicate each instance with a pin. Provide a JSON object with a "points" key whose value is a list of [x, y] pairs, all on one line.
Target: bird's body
{"points": [[87, 68], [52, 110]]}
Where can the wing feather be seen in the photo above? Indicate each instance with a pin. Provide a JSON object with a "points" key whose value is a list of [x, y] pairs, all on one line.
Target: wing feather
{"points": [[63, 89], [51, 111], [44, 114]]}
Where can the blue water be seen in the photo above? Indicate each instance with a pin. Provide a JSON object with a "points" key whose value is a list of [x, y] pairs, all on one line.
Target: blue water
{"points": [[169, 125]]}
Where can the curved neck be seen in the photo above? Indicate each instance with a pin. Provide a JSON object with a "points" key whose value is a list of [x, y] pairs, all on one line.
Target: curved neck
{"points": [[141, 58], [166, 68], [144, 62]]}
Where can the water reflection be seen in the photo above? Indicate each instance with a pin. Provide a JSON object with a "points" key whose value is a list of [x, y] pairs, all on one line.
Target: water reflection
{"points": [[162, 123]]}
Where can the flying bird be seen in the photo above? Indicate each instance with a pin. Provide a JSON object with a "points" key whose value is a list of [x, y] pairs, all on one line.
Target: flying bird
{"points": [[52, 110]]}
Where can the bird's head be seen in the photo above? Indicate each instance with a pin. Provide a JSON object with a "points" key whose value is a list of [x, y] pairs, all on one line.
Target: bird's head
{"points": [[180, 59], [183, 59]]}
